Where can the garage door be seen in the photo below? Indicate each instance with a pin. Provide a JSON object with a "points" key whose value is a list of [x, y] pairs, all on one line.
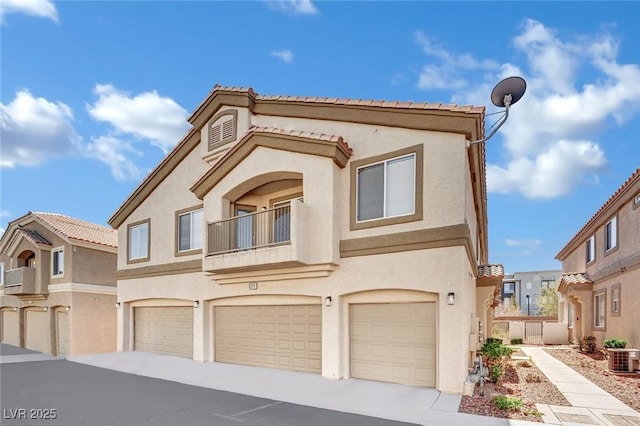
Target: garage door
{"points": [[37, 331], [62, 333], [394, 342], [11, 328], [284, 337], [164, 330]]}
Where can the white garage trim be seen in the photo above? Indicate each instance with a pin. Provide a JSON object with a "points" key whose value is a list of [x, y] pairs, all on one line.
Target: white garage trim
{"points": [[166, 330], [287, 337], [394, 342]]}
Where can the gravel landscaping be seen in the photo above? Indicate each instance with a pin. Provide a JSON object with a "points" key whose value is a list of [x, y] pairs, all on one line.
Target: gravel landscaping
{"points": [[625, 387], [522, 380]]}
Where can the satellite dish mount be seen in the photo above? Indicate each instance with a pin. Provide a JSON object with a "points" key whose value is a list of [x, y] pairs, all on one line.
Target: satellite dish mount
{"points": [[504, 94]]}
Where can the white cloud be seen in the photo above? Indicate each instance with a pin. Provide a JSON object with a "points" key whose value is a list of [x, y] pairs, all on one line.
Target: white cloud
{"points": [[285, 56], [34, 129], [531, 243], [113, 152], [293, 7], [160, 120], [39, 8], [575, 89]]}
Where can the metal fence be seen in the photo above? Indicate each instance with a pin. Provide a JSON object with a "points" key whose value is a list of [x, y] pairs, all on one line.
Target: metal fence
{"points": [[530, 330]]}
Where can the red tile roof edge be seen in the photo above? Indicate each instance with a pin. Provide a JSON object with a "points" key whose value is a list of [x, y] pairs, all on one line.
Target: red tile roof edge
{"points": [[301, 134]]}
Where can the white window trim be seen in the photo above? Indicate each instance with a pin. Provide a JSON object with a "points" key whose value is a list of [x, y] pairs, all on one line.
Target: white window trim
{"points": [[131, 228], [613, 236], [191, 227], [1, 274], [591, 244], [384, 195], [53, 254], [596, 302]]}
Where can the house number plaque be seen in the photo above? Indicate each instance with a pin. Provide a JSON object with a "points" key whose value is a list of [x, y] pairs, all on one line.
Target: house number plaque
{"points": [[253, 286]]}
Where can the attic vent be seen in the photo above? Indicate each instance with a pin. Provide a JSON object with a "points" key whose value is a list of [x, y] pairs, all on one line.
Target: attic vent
{"points": [[223, 128]]}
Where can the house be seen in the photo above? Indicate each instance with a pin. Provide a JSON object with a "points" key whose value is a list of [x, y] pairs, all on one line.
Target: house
{"points": [[601, 271], [341, 237], [58, 285], [524, 288]]}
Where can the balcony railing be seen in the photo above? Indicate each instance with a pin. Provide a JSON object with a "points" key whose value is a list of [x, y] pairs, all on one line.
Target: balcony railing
{"points": [[20, 281], [266, 228]]}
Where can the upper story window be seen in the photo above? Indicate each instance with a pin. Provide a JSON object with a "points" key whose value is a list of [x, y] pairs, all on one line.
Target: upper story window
{"points": [[509, 288], [1, 274], [138, 235], [189, 232], [591, 249], [223, 128], [387, 189], [615, 299], [611, 234], [57, 262]]}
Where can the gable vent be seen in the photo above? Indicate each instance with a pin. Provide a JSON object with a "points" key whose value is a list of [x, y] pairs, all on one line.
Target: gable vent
{"points": [[215, 133], [227, 129], [223, 128]]}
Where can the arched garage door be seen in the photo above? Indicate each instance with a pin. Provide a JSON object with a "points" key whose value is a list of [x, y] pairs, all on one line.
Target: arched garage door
{"points": [[166, 330], [287, 337], [11, 327], [394, 342]]}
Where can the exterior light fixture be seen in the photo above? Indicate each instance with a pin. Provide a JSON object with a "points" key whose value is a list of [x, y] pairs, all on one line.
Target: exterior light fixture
{"points": [[117, 305], [196, 303], [15, 308], [67, 308], [327, 301], [45, 308], [451, 298]]}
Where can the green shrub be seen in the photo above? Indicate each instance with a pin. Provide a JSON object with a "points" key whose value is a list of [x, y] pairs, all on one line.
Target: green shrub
{"points": [[493, 340], [496, 372], [614, 343], [505, 403], [588, 344], [517, 341], [495, 349]]}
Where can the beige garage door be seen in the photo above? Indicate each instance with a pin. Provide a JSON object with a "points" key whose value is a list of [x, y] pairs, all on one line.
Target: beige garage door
{"points": [[284, 337], [166, 330], [394, 342], [10, 328], [62, 333], [37, 331]]}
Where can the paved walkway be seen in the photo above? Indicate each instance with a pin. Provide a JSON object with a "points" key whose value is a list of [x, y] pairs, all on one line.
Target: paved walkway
{"points": [[590, 404]]}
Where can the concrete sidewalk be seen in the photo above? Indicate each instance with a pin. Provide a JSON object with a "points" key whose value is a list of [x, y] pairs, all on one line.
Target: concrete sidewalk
{"points": [[383, 400], [590, 404]]}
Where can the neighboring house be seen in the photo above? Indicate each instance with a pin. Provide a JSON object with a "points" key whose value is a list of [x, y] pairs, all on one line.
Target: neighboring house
{"points": [[57, 292], [342, 237], [601, 264], [526, 287]]}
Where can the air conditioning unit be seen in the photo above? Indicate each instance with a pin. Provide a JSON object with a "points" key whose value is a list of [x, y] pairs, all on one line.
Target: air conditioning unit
{"points": [[623, 360]]}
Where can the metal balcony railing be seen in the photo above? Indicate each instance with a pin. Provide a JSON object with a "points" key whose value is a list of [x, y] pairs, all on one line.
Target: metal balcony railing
{"points": [[266, 228]]}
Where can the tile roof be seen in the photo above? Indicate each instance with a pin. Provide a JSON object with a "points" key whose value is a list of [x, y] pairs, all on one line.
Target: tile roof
{"points": [[491, 271], [307, 135], [77, 229], [350, 101], [576, 278], [33, 236]]}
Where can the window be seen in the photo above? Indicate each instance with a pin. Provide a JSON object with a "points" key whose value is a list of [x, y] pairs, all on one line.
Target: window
{"points": [[591, 249], [1, 274], [615, 299], [138, 241], [599, 308], [57, 262], [509, 288], [387, 189], [611, 234], [189, 230]]}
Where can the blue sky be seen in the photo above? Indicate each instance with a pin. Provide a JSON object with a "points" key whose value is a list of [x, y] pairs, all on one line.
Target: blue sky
{"points": [[94, 94]]}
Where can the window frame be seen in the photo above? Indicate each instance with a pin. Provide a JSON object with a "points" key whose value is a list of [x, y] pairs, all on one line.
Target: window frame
{"points": [[54, 252], [1, 274], [609, 236], [183, 212], [131, 226], [219, 119], [616, 288], [590, 248], [418, 152], [597, 306]]}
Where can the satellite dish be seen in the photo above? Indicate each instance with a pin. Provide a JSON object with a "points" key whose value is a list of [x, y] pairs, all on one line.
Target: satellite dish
{"points": [[504, 94], [514, 86]]}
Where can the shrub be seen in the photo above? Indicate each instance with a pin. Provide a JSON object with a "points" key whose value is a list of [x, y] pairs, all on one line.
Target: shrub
{"points": [[588, 344], [533, 378], [496, 372], [493, 340], [517, 341], [614, 343], [523, 363], [504, 402], [494, 349]]}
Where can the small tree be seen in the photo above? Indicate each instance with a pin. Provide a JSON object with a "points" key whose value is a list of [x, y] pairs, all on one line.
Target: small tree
{"points": [[548, 302], [509, 309]]}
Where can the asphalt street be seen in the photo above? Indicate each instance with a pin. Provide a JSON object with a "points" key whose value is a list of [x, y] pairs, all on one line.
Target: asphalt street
{"points": [[60, 392]]}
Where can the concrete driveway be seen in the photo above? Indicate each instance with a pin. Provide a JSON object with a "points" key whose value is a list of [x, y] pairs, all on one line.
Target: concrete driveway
{"points": [[49, 391]]}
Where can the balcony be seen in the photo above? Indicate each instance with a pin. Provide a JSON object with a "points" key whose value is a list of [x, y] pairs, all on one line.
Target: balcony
{"points": [[266, 239], [21, 281]]}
